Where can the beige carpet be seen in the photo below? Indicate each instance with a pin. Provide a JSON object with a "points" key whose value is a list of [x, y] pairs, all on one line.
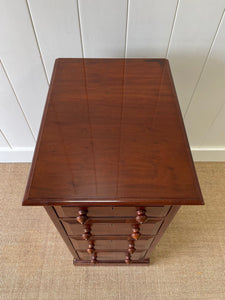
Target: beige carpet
{"points": [[188, 263]]}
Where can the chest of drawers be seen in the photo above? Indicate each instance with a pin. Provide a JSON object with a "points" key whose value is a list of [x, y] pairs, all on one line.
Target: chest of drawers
{"points": [[112, 163]]}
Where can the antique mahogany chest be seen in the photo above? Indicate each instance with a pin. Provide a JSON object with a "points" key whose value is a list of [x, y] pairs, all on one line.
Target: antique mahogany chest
{"points": [[112, 163]]}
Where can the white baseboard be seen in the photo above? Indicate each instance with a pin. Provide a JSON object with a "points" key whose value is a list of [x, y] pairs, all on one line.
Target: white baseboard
{"points": [[25, 154], [208, 154], [18, 155]]}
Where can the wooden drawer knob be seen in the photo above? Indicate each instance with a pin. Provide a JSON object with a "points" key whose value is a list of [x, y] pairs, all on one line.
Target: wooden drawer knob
{"points": [[131, 248], [135, 234], [141, 216], [94, 258], [82, 218], [128, 259], [87, 232], [91, 247]]}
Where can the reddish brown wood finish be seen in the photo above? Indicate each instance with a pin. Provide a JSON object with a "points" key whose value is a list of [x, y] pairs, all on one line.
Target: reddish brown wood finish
{"points": [[82, 218], [112, 163], [127, 212], [136, 232], [111, 255], [112, 134], [108, 226], [86, 232], [104, 244], [91, 247], [143, 262], [51, 212], [141, 216], [131, 248], [174, 209]]}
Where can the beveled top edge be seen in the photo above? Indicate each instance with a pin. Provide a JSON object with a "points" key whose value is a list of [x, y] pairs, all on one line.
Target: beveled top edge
{"points": [[112, 202], [69, 59]]}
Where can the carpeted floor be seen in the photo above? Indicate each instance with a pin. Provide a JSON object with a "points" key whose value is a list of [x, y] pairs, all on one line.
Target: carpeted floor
{"points": [[188, 263]]}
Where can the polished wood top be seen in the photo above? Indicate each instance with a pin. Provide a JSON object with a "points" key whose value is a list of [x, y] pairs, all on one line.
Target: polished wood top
{"points": [[112, 133]]}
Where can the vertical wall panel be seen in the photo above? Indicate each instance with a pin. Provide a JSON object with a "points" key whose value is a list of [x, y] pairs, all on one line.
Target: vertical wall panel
{"points": [[57, 27], [3, 142], [12, 121], [103, 26], [216, 134], [149, 27], [210, 92], [194, 30], [20, 56]]}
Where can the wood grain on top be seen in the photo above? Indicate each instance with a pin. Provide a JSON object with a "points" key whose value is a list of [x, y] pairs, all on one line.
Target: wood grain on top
{"points": [[112, 133]]}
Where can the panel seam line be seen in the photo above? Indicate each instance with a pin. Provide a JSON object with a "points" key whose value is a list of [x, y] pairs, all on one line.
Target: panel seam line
{"points": [[80, 27], [172, 28], [37, 42], [204, 65], [4, 137], [17, 100]]}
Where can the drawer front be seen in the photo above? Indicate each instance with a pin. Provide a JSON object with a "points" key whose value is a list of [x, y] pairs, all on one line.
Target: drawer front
{"points": [[107, 229], [81, 245], [151, 211], [104, 256]]}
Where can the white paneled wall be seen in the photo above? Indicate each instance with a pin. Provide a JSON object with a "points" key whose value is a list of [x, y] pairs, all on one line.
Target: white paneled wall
{"points": [[149, 28], [20, 56], [103, 27], [190, 33], [3, 141], [216, 131], [57, 26], [13, 123], [193, 33], [205, 100]]}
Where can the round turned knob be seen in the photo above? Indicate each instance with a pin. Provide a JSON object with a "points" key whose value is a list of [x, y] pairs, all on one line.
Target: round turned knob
{"points": [[141, 216], [136, 234], [87, 232], [82, 218], [131, 248], [128, 259], [94, 258], [91, 247]]}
